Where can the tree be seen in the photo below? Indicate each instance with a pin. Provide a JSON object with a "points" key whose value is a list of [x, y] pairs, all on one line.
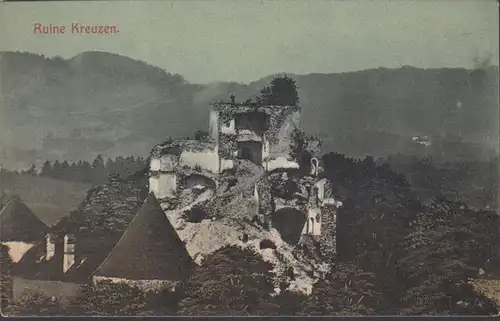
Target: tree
{"points": [[5, 279], [32, 170], [108, 298], [282, 91], [57, 171], [231, 281], [98, 170], [377, 207], [65, 170], [98, 162], [46, 169]]}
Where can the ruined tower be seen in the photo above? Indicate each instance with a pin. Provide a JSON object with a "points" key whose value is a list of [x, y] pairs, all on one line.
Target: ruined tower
{"points": [[260, 134]]}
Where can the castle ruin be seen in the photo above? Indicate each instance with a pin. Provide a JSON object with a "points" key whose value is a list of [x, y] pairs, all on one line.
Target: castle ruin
{"points": [[279, 196]]}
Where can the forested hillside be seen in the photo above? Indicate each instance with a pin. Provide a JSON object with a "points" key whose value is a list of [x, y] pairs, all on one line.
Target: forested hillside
{"points": [[102, 103]]}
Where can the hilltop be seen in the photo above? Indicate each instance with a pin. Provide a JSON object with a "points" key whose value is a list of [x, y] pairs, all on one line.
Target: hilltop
{"points": [[103, 103]]}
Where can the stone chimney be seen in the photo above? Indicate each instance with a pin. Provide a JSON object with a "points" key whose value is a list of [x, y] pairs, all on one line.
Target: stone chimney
{"points": [[50, 246], [69, 252]]}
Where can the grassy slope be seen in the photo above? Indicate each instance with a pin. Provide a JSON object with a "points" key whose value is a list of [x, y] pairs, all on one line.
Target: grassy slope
{"points": [[49, 199]]}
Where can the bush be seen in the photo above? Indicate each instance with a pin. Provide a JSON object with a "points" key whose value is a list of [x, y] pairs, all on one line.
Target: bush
{"points": [[108, 298], [231, 281], [35, 303]]}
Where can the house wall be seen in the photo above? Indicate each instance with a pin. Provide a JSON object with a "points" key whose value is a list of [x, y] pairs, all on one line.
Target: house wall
{"points": [[60, 290], [313, 223], [213, 127], [281, 148], [163, 185], [18, 249], [280, 162], [208, 160], [145, 285], [50, 247], [69, 252]]}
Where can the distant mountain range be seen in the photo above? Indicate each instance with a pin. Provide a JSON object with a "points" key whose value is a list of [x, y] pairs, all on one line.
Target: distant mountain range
{"points": [[103, 103]]}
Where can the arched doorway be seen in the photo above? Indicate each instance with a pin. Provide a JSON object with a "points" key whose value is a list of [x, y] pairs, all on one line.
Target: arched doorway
{"points": [[289, 222], [197, 181]]}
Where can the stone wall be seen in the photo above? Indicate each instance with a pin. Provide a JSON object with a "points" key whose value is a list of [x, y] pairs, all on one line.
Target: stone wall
{"points": [[328, 238], [207, 159]]}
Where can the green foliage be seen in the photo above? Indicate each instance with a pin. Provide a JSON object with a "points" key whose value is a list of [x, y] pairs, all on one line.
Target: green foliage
{"points": [[108, 298], [347, 290], [444, 248], [5, 279], [472, 182], [377, 206], [35, 303], [231, 281], [424, 255], [282, 91]]}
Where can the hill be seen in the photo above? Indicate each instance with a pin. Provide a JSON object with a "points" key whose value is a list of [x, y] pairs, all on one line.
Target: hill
{"points": [[49, 199], [98, 102]]}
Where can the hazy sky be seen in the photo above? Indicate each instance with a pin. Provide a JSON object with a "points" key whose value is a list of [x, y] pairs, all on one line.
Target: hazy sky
{"points": [[244, 40]]}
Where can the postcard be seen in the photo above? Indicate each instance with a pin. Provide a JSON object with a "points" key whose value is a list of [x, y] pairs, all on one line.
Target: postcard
{"points": [[249, 158]]}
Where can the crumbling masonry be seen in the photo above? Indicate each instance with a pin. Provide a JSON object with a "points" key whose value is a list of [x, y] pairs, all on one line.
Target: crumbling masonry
{"points": [[275, 195]]}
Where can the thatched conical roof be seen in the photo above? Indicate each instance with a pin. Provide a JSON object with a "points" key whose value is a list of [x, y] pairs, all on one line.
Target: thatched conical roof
{"points": [[18, 223], [150, 249]]}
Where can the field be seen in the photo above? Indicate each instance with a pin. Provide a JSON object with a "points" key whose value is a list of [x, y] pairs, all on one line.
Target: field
{"points": [[50, 199]]}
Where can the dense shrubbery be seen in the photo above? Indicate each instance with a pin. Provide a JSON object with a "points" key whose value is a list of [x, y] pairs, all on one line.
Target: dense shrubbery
{"points": [[472, 182], [346, 290], [231, 281], [423, 254], [35, 303], [107, 298], [445, 247], [5, 279]]}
